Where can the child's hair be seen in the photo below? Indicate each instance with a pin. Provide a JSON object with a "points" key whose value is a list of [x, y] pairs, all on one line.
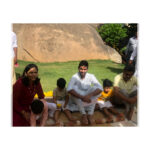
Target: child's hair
{"points": [[107, 83], [37, 106], [61, 82], [83, 63], [129, 67]]}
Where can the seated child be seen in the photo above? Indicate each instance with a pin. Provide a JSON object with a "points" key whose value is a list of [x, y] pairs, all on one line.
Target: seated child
{"points": [[105, 104], [39, 112], [61, 98]]}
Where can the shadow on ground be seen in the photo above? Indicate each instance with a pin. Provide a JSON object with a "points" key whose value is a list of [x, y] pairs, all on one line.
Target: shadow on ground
{"points": [[115, 70], [97, 115]]}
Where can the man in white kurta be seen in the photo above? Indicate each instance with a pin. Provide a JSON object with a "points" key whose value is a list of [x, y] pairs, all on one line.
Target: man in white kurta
{"points": [[84, 89]]}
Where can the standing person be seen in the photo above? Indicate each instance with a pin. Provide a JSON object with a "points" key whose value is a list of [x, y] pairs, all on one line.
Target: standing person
{"points": [[84, 89], [24, 91], [61, 98], [132, 58], [132, 44], [14, 46], [14, 52], [125, 89]]}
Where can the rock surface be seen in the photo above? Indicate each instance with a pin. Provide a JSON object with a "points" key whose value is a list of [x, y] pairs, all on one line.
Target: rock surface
{"points": [[61, 43]]}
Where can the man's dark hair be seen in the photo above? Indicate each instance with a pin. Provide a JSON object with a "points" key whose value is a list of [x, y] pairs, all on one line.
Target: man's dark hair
{"points": [[107, 83], [61, 82], [129, 67], [83, 63], [37, 106], [25, 79]]}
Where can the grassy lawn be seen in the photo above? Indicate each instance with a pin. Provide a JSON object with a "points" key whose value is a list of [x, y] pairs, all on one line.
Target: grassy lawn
{"points": [[50, 72]]}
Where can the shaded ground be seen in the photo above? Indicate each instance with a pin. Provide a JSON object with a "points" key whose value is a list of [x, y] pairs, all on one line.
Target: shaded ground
{"points": [[97, 115]]}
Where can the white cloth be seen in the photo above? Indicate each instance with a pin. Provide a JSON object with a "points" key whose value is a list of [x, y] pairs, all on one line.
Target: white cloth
{"points": [[132, 44], [51, 108], [38, 117], [106, 104], [84, 87], [133, 55], [14, 42]]}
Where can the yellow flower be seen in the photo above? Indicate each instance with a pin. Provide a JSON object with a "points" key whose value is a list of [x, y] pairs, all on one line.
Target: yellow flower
{"points": [[50, 93], [47, 94]]}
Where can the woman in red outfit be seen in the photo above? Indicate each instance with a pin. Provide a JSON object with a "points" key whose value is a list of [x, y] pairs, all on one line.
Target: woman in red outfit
{"points": [[24, 91]]}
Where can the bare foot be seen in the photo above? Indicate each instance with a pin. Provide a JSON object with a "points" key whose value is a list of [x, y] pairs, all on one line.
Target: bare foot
{"points": [[100, 121], [121, 116], [58, 123], [109, 119], [78, 123], [73, 120], [91, 120], [84, 120], [129, 114]]}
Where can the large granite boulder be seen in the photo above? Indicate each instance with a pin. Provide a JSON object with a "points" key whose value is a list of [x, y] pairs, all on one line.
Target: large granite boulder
{"points": [[61, 43]]}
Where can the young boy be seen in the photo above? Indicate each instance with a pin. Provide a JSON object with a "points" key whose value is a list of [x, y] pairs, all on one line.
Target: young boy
{"points": [[105, 104], [39, 112], [61, 98]]}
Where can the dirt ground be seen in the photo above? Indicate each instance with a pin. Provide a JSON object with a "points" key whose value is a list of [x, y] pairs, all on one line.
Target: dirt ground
{"points": [[97, 115]]}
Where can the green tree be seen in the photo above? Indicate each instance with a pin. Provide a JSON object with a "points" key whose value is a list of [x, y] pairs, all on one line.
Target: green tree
{"points": [[112, 34]]}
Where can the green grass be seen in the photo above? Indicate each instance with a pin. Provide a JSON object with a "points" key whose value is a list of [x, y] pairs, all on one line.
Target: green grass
{"points": [[50, 72]]}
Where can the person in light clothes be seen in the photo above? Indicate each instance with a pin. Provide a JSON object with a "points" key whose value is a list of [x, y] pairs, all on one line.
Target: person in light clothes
{"points": [[14, 54], [84, 89]]}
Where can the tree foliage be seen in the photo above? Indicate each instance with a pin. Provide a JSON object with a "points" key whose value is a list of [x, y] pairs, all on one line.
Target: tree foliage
{"points": [[112, 34], [117, 35]]}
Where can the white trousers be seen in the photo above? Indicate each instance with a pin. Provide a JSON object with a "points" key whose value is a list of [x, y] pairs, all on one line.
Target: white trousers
{"points": [[51, 108], [106, 104], [83, 106]]}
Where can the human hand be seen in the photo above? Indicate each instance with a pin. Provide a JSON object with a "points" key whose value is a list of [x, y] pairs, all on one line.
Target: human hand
{"points": [[86, 99], [133, 100], [16, 65], [130, 61], [26, 115], [15, 60], [116, 89]]}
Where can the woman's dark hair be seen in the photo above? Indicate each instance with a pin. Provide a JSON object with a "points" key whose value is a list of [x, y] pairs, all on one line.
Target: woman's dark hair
{"points": [[83, 63], [25, 79], [129, 67], [107, 83], [61, 82], [37, 106]]}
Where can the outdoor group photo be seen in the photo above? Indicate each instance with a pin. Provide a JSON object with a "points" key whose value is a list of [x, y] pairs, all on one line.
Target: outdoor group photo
{"points": [[75, 75]]}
